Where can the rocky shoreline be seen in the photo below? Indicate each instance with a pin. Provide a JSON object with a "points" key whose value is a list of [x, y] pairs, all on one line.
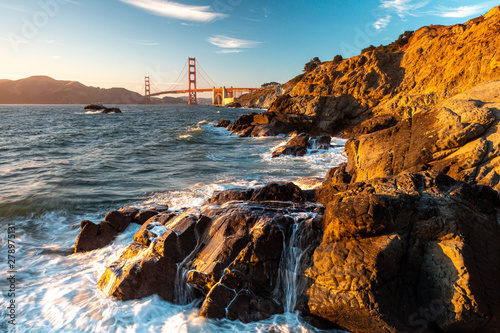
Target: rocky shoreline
{"points": [[404, 237]]}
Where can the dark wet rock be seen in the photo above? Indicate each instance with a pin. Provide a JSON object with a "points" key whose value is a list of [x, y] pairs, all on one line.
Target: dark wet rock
{"points": [[139, 273], [243, 120], [118, 220], [94, 236], [299, 144], [300, 140], [289, 150], [263, 130], [244, 130], [278, 192], [223, 123], [231, 195], [102, 108], [234, 105], [94, 106], [322, 142], [111, 110], [153, 228]]}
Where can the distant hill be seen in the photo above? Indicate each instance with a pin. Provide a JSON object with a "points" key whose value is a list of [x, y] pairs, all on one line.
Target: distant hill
{"points": [[46, 90]]}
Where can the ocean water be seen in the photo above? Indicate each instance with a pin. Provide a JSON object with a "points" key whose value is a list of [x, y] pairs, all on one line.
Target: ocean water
{"points": [[60, 165]]}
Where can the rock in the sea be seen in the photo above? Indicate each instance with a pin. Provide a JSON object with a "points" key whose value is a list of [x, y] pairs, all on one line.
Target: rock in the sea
{"points": [[102, 108], [223, 123], [94, 106], [95, 236], [234, 105], [289, 150], [111, 110], [298, 145]]}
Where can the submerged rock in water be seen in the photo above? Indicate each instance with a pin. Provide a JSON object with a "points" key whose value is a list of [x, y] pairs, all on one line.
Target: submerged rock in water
{"points": [[102, 108], [111, 110], [94, 106]]}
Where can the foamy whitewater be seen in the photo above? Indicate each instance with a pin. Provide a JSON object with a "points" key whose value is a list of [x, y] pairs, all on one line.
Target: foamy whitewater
{"points": [[60, 165]]}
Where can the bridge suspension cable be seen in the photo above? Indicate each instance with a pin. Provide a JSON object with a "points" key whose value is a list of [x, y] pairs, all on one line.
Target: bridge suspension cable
{"points": [[214, 84], [210, 85], [177, 82]]}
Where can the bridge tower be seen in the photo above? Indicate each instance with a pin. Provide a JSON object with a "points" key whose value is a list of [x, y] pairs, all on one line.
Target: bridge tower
{"points": [[147, 93], [192, 81]]}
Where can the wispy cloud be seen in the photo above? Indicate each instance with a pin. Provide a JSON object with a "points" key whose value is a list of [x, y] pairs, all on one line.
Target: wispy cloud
{"points": [[229, 51], [177, 10], [56, 57], [462, 11], [226, 42], [382, 22], [143, 42], [404, 7]]}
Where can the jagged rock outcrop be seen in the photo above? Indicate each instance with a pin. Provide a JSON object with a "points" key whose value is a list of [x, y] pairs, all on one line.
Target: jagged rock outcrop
{"points": [[416, 252], [231, 253], [459, 137]]}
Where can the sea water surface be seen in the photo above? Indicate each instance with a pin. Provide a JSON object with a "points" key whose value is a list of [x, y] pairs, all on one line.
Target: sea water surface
{"points": [[60, 165]]}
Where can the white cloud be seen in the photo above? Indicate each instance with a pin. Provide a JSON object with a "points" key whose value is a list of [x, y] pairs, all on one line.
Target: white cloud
{"points": [[56, 57], [462, 11], [229, 51], [231, 43], [404, 7], [177, 10], [382, 22]]}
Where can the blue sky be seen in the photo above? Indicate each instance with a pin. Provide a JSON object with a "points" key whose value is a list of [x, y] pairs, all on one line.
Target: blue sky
{"points": [[115, 43]]}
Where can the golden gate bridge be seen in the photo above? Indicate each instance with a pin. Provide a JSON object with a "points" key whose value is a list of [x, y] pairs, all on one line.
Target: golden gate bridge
{"points": [[220, 95]]}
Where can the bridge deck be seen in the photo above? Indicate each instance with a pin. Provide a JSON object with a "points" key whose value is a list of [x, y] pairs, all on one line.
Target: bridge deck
{"points": [[185, 91]]}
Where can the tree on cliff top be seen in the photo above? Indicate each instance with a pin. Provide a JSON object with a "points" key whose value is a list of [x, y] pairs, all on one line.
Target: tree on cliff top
{"points": [[394, 46], [311, 65]]}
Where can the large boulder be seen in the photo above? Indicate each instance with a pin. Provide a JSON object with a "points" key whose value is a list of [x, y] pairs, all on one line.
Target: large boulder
{"points": [[416, 252]]}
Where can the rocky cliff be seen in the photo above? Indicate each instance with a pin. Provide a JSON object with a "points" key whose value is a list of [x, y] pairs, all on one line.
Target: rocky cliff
{"points": [[437, 63]]}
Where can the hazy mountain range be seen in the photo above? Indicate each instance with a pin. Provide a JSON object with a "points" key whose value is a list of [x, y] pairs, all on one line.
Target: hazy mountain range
{"points": [[46, 90]]}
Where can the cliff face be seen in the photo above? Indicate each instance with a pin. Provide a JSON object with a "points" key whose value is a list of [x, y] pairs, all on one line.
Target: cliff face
{"points": [[437, 63]]}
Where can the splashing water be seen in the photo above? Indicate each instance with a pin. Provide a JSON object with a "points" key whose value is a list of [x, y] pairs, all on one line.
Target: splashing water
{"points": [[298, 245]]}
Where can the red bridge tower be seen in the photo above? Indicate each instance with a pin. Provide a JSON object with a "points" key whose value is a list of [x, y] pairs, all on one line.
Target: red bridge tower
{"points": [[192, 81]]}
